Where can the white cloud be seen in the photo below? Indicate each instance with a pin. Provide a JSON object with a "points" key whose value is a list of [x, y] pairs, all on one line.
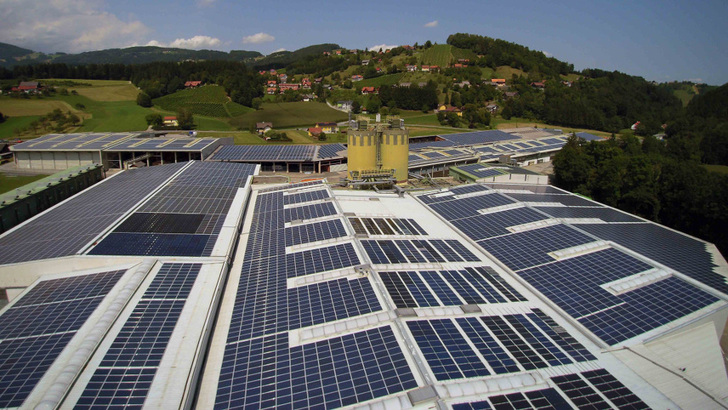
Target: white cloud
{"points": [[547, 54], [384, 47], [194, 43], [258, 38], [66, 25], [279, 50], [432, 24]]}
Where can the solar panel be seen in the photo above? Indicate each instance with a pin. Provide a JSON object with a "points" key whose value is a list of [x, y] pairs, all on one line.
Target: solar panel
{"points": [[560, 336], [309, 211], [521, 351], [580, 392], [479, 171], [308, 196], [36, 328], [446, 350], [492, 352], [678, 251], [479, 137], [615, 391], [145, 244], [314, 232], [125, 373], [525, 249], [469, 206], [536, 189], [68, 227], [267, 373], [331, 151], [605, 214], [588, 137], [568, 200], [496, 223]]}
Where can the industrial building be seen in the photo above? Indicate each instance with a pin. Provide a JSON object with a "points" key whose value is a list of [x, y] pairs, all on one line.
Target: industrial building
{"points": [[378, 152], [112, 150], [187, 286]]}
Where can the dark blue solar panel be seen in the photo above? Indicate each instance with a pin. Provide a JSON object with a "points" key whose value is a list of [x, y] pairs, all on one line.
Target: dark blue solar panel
{"points": [[480, 171], [518, 348], [23, 362], [267, 373], [321, 260], [308, 196], [441, 289], [391, 251], [398, 290], [143, 339], [462, 250], [560, 336], [418, 289], [614, 390], [479, 137], [314, 232], [414, 158], [36, 329], [530, 333], [647, 308], [309, 211], [446, 251], [411, 253], [574, 283], [485, 289], [494, 224], [605, 214], [529, 248], [462, 287], [568, 200], [498, 282], [432, 155], [446, 350], [117, 388], [466, 207], [154, 244], [414, 145], [579, 392], [496, 357], [537, 399], [686, 255], [536, 189], [375, 253], [552, 141], [331, 151]]}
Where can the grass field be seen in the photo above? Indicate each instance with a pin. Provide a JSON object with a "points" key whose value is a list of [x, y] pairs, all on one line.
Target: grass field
{"points": [[439, 55], [684, 95], [95, 83], [288, 115], [11, 125], [507, 72], [18, 107], [209, 100], [126, 92], [8, 183], [388, 79]]}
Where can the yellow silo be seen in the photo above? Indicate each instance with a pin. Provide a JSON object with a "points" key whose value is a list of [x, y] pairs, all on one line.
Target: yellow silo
{"points": [[395, 152], [362, 151]]}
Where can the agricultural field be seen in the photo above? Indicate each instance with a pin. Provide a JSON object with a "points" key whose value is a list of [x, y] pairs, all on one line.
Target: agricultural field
{"points": [[20, 107], [507, 72], [289, 115], [209, 100], [388, 79], [12, 125], [439, 55]]}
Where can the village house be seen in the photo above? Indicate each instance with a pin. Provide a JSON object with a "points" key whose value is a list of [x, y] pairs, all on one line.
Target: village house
{"points": [[328, 127], [445, 109], [170, 121], [498, 82], [306, 83], [28, 87], [369, 90], [263, 127], [192, 84], [286, 86], [344, 105], [271, 90], [314, 131], [538, 84], [426, 68], [411, 67], [283, 77], [357, 77], [434, 69]]}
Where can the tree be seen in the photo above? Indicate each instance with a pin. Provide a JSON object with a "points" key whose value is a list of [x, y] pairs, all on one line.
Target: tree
{"points": [[428, 44], [155, 120], [2, 118], [144, 100], [355, 107], [322, 136], [185, 119]]}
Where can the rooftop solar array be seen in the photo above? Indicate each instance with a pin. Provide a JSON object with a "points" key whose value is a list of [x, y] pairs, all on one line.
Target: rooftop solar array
{"points": [[331, 151], [163, 144], [38, 326], [417, 251], [479, 137], [115, 142], [260, 367], [386, 226], [480, 171], [184, 218], [594, 389], [125, 374], [258, 153], [68, 227], [588, 137], [613, 294]]}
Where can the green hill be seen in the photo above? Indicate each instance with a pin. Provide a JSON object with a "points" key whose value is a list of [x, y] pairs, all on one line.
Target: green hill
{"points": [[209, 100], [293, 114], [439, 55], [283, 58]]}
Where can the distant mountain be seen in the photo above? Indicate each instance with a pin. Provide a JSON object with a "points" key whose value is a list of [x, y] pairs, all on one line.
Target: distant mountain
{"points": [[11, 55], [281, 59]]}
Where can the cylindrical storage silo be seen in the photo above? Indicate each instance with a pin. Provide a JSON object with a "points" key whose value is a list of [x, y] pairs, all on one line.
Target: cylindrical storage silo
{"points": [[395, 152], [362, 151]]}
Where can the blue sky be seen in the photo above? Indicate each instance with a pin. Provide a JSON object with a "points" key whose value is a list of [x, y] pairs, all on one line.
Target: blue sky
{"points": [[658, 40]]}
